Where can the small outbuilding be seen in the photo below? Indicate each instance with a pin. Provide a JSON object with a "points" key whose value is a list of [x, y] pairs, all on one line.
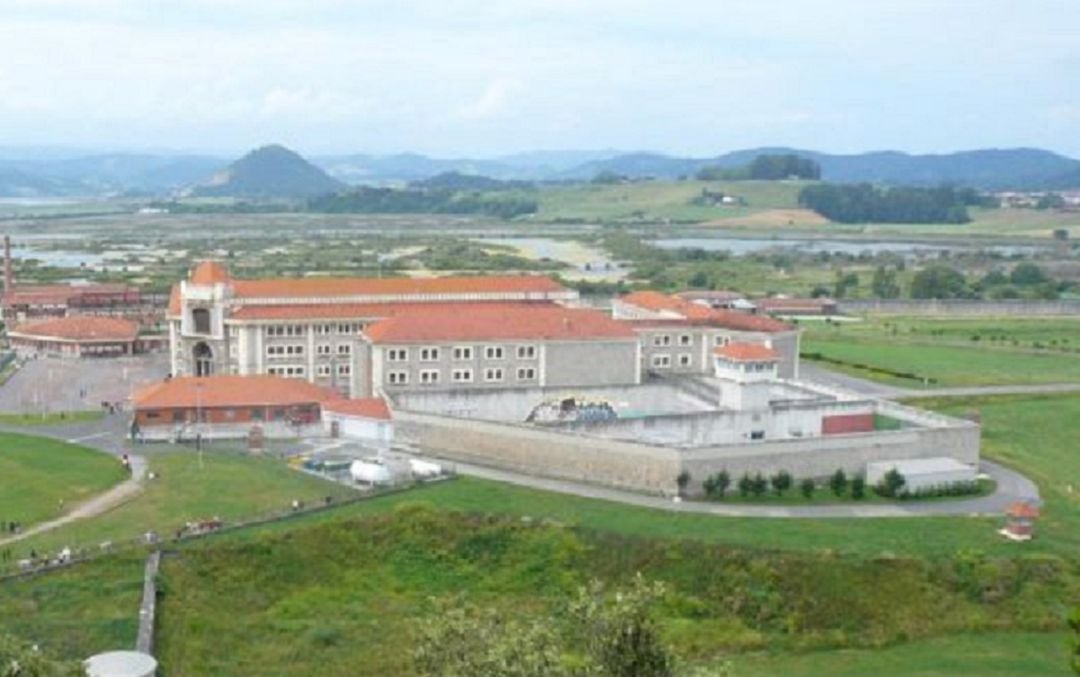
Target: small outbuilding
{"points": [[78, 336], [922, 473], [366, 419], [1020, 521]]}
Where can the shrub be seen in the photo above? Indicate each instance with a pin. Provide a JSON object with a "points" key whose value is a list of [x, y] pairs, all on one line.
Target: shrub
{"points": [[717, 485], [759, 485], [838, 482], [807, 487], [781, 482], [858, 487], [891, 485], [746, 485]]}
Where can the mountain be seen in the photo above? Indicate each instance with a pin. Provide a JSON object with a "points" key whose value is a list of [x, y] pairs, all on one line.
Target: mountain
{"points": [[17, 183], [269, 172], [989, 169]]}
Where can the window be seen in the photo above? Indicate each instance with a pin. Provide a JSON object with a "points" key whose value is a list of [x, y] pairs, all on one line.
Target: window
{"points": [[429, 376], [462, 353], [684, 360], [526, 373], [493, 374], [397, 354], [322, 370], [344, 349], [720, 340], [661, 340], [200, 317], [284, 330], [322, 349], [283, 350], [462, 376], [397, 378], [661, 361], [757, 434], [344, 369], [526, 352], [685, 339], [429, 354], [493, 353], [349, 328]]}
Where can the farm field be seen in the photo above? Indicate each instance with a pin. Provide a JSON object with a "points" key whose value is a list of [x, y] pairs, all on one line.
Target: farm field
{"points": [[991, 351], [37, 473]]}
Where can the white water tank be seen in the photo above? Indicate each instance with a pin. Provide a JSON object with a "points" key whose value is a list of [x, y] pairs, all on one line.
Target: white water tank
{"points": [[369, 473], [424, 468], [121, 664]]}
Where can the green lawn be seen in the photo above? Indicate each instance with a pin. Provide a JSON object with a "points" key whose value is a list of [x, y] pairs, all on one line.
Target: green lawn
{"points": [[954, 352], [980, 655], [230, 485], [37, 473]]}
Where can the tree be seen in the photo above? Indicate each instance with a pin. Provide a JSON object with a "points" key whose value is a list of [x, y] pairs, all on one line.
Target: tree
{"points": [[844, 282], [858, 487], [1027, 273], [781, 482], [682, 480], [938, 282], [746, 485], [608, 177], [838, 482], [759, 485], [891, 484], [807, 487], [22, 659], [620, 634], [717, 485], [884, 284]]}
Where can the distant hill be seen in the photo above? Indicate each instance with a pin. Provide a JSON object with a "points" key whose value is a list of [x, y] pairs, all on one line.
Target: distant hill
{"points": [[17, 183], [459, 181], [1021, 168], [269, 172]]}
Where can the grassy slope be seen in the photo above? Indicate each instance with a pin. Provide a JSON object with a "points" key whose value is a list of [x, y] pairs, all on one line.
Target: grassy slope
{"points": [[944, 349], [989, 655], [37, 473], [229, 486]]}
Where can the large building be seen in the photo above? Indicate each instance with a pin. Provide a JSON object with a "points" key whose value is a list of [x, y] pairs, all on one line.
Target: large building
{"points": [[81, 336]]}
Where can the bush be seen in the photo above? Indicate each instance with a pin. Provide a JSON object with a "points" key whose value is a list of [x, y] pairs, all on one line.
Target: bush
{"points": [[759, 485], [838, 482], [781, 482], [717, 485], [858, 487], [891, 485], [807, 487], [746, 485]]}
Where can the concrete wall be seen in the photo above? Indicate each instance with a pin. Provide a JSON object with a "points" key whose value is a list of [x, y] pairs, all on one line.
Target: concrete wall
{"points": [[820, 457], [954, 307], [590, 363], [542, 452]]}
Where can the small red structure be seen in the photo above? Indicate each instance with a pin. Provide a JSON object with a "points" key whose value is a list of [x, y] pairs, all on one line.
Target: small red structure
{"points": [[1020, 521]]}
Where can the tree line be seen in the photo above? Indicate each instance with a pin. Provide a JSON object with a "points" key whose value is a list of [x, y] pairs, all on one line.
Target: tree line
{"points": [[369, 200], [865, 203], [765, 168]]}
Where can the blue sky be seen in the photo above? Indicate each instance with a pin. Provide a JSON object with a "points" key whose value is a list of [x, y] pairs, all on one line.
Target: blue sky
{"points": [[483, 77]]}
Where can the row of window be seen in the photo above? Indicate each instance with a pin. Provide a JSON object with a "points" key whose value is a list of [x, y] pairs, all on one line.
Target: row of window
{"points": [[299, 371], [460, 353], [432, 376], [662, 361], [297, 349], [665, 340], [340, 328]]}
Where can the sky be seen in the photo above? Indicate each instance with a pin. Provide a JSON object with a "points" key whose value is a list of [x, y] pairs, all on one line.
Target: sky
{"points": [[486, 77]]}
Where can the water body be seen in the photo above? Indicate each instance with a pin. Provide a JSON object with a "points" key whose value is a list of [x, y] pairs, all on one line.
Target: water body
{"points": [[740, 246]]}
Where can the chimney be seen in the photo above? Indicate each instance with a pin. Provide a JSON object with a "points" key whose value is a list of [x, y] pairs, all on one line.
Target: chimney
{"points": [[9, 277]]}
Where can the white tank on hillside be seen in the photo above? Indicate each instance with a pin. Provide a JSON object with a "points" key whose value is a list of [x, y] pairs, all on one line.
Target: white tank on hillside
{"points": [[369, 473], [121, 664]]}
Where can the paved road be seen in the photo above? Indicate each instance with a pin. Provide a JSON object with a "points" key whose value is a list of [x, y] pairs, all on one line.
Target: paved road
{"points": [[55, 384]]}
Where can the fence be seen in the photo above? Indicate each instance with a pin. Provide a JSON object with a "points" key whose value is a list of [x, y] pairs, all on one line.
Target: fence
{"points": [[152, 541], [960, 307]]}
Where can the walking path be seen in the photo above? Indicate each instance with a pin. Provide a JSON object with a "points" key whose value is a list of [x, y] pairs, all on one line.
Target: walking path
{"points": [[99, 435]]}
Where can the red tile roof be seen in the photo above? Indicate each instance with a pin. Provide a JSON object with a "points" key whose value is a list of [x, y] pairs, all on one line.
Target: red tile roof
{"points": [[353, 311], [210, 272], [314, 287], [740, 351], [696, 313], [474, 322], [369, 407], [229, 391], [1022, 510], [80, 328]]}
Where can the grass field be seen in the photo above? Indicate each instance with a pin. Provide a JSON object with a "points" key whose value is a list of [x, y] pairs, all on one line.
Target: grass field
{"points": [[994, 654], [37, 473], [229, 485], [992, 351]]}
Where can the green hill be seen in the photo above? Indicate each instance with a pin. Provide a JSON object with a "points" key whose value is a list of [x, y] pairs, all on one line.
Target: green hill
{"points": [[269, 172]]}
